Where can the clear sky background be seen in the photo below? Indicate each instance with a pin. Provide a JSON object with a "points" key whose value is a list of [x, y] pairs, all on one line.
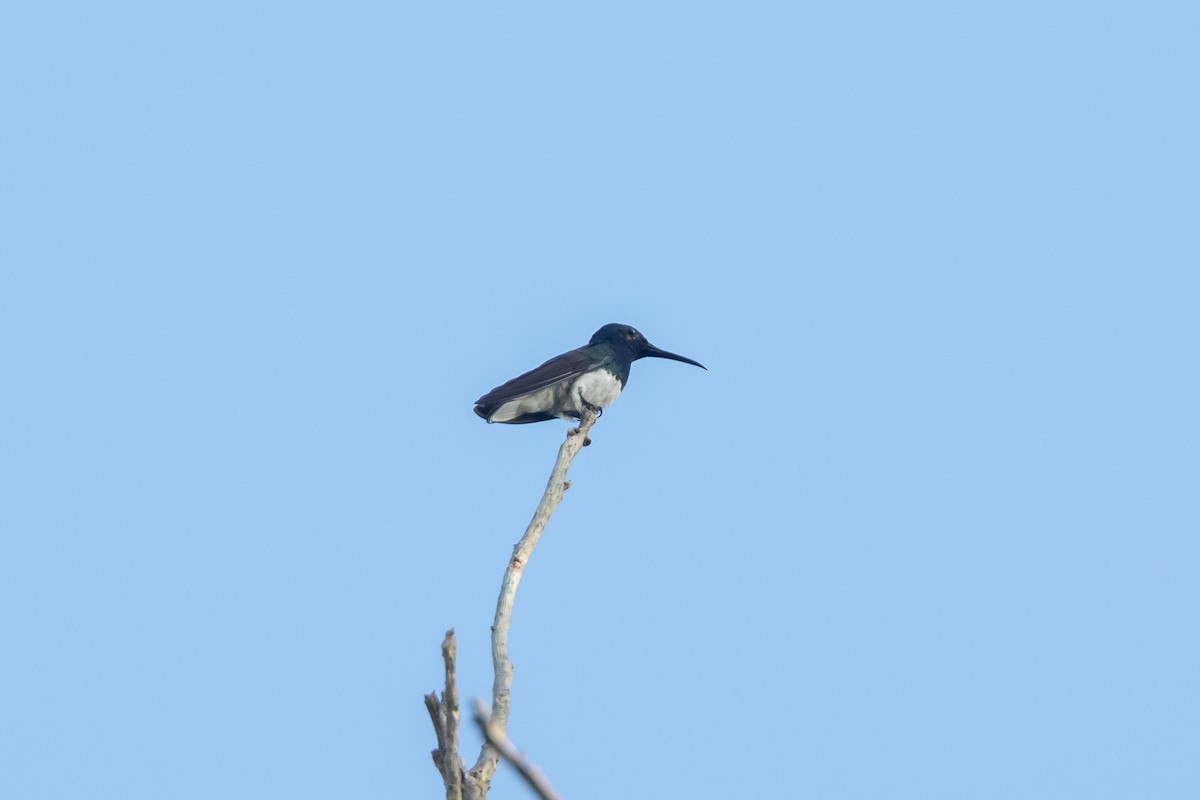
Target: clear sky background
{"points": [[928, 527]]}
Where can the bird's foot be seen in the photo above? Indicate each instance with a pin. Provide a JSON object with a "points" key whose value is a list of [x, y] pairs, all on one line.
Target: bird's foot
{"points": [[597, 410]]}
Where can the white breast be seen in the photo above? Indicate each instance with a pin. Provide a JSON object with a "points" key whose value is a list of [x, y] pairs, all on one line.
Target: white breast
{"points": [[598, 387]]}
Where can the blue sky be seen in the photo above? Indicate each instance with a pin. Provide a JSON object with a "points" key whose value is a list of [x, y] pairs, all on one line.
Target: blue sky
{"points": [[926, 528]]}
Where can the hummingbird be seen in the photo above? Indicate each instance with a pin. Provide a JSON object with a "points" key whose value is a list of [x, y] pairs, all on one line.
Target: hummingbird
{"points": [[589, 377]]}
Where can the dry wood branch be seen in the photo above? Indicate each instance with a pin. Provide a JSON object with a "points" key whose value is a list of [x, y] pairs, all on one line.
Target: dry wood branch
{"points": [[473, 785], [485, 765], [499, 740], [444, 714]]}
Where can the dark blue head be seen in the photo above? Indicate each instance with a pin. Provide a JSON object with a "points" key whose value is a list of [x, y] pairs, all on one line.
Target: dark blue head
{"points": [[628, 339]]}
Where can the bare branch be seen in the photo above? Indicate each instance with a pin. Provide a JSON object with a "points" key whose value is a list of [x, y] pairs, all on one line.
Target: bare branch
{"points": [[499, 740], [485, 766], [474, 785], [444, 714]]}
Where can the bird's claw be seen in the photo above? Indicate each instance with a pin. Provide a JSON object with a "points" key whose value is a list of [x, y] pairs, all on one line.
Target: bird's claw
{"points": [[597, 410]]}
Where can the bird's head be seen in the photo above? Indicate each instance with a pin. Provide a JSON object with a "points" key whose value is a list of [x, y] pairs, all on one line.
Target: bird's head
{"points": [[630, 339]]}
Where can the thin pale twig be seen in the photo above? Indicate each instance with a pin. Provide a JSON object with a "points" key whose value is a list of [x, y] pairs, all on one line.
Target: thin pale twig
{"points": [[499, 740]]}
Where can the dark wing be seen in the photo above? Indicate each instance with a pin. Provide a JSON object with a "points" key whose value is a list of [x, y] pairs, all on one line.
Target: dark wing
{"points": [[568, 365]]}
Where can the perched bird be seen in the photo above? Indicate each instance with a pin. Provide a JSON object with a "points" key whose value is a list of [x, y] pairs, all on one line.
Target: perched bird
{"points": [[589, 377]]}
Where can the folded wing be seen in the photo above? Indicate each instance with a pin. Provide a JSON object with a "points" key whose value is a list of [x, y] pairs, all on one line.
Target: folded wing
{"points": [[561, 368]]}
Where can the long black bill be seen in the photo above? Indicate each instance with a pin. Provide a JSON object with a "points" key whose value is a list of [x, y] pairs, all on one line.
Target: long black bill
{"points": [[654, 352]]}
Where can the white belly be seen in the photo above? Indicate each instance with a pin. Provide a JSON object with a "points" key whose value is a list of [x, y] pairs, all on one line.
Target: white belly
{"points": [[598, 387]]}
